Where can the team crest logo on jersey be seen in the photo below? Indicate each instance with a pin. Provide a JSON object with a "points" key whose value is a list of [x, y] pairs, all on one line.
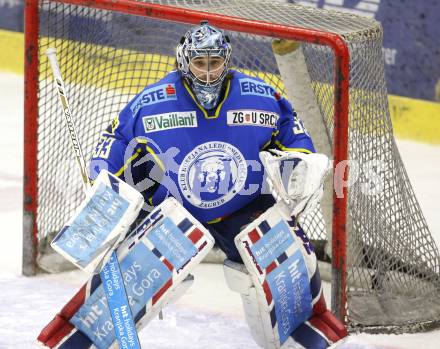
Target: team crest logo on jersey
{"points": [[244, 117], [153, 95], [167, 121], [257, 88], [212, 174]]}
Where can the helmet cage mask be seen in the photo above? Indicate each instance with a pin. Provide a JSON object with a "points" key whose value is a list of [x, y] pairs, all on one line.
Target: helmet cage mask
{"points": [[208, 44], [207, 66]]}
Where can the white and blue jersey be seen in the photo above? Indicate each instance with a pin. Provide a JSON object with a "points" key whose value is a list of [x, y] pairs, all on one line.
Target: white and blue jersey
{"points": [[165, 143]]}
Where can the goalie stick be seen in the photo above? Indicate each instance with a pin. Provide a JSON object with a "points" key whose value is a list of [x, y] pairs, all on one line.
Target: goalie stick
{"points": [[111, 276]]}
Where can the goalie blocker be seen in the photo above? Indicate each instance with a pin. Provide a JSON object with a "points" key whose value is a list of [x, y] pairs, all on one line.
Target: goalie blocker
{"points": [[100, 223]]}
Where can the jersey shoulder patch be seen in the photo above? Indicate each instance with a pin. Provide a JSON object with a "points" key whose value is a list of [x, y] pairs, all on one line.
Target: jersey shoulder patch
{"points": [[254, 87], [162, 91]]}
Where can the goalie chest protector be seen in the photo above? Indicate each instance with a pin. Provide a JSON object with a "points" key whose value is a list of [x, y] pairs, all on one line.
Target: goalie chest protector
{"points": [[211, 157]]}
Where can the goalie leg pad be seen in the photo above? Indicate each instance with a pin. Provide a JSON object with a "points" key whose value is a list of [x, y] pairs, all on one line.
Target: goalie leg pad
{"points": [[335, 324], [238, 279], [283, 269], [308, 337], [312, 334], [319, 332], [155, 260], [60, 330]]}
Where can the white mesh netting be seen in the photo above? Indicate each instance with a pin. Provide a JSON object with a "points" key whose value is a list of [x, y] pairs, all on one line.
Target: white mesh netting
{"points": [[106, 57]]}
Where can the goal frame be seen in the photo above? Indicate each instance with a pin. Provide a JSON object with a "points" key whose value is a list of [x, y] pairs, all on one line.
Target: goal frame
{"points": [[187, 16]]}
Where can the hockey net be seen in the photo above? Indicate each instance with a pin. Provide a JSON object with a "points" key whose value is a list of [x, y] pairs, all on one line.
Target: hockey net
{"points": [[385, 268]]}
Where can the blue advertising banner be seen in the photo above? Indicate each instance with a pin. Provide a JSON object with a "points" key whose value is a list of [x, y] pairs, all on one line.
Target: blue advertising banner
{"points": [[11, 15], [411, 44]]}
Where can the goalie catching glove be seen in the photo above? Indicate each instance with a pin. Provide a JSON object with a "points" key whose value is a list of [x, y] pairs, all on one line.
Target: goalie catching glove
{"points": [[296, 179]]}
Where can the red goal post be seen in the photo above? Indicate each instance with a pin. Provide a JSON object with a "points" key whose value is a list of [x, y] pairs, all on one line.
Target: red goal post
{"points": [[224, 15]]}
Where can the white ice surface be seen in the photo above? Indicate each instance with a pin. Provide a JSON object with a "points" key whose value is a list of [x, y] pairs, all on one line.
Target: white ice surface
{"points": [[208, 315]]}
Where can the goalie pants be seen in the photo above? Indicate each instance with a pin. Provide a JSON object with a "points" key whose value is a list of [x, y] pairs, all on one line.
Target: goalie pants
{"points": [[228, 228]]}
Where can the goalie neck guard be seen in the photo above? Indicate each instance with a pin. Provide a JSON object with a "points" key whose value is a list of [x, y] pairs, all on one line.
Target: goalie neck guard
{"points": [[203, 57]]}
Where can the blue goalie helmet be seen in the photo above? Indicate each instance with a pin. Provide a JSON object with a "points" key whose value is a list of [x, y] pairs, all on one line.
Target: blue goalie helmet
{"points": [[203, 57]]}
